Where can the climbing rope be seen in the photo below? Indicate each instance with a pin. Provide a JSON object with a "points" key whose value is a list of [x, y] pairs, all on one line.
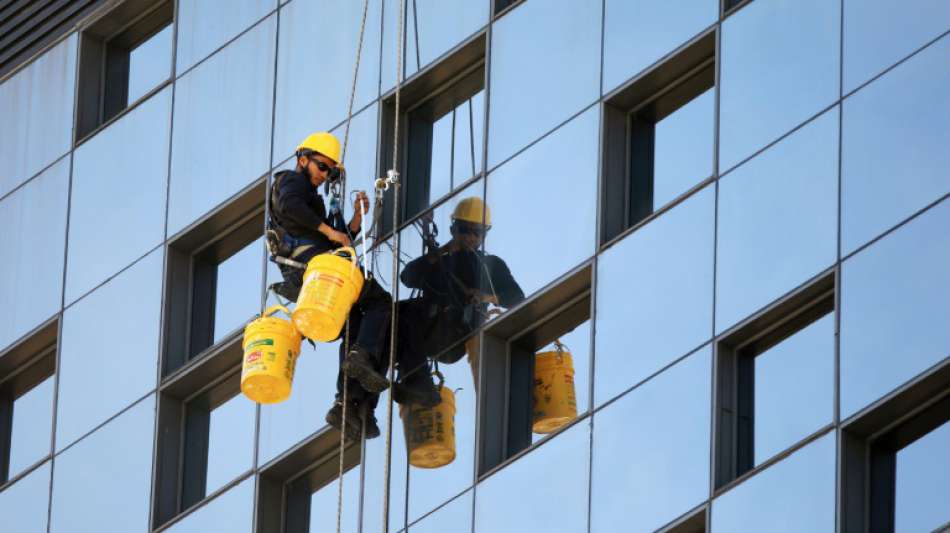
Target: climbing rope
{"points": [[346, 336], [393, 177]]}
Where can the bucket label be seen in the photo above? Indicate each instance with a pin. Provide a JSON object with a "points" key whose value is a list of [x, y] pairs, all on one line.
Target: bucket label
{"points": [[260, 342], [253, 356]]}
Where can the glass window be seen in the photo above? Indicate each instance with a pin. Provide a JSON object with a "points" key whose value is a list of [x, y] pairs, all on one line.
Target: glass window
{"points": [[923, 469], [36, 104], [433, 27], [150, 63], [538, 81], [553, 477], [33, 240], [870, 42], [301, 415], [238, 289], [117, 208], [223, 125], [374, 458], [24, 505], [32, 427], [777, 220], [895, 299], [661, 278], [101, 483], [360, 157], [453, 516], [651, 449], [205, 25], [638, 33], [683, 148], [323, 503], [794, 388], [796, 494], [543, 204], [126, 370], [894, 157], [231, 511], [303, 65], [230, 441], [760, 102]]}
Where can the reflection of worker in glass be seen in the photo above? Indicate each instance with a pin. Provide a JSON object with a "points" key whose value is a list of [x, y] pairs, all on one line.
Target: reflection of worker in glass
{"points": [[300, 229], [458, 283]]}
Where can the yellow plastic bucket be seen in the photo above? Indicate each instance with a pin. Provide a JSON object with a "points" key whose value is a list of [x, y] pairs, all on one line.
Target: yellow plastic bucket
{"points": [[430, 432], [555, 402], [331, 285], [271, 346]]}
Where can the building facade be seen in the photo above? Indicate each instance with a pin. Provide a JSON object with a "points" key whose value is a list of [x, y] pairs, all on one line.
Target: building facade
{"points": [[732, 215]]}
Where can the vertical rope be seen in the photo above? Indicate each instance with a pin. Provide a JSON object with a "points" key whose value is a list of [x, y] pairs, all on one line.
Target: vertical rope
{"points": [[346, 337], [393, 175]]}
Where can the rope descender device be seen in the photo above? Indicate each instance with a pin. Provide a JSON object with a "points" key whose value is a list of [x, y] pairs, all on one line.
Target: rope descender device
{"points": [[392, 178]]}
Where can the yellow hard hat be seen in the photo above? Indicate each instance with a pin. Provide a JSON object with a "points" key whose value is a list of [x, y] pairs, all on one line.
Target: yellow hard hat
{"points": [[471, 210], [323, 142]]}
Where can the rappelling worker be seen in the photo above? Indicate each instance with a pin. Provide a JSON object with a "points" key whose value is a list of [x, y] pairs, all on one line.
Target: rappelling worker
{"points": [[300, 227], [457, 283]]}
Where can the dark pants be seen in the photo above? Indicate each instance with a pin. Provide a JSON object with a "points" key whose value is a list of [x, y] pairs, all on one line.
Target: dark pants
{"points": [[429, 330]]}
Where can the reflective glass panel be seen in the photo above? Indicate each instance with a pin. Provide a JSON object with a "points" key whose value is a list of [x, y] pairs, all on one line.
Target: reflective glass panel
{"points": [[870, 42], [32, 427], [923, 468], [453, 516], [638, 33], [289, 422], [794, 495], [204, 25], [456, 154], [759, 101], [683, 148], [576, 343], [895, 300], [30, 274], [232, 511], [36, 104], [794, 388], [323, 503], [545, 490], [230, 441], [538, 81], [238, 289], [313, 89], [543, 204], [651, 449], [24, 505], [360, 159], [374, 458], [102, 482], [150, 63], [117, 207], [894, 152], [222, 125], [654, 296], [129, 364], [777, 220]]}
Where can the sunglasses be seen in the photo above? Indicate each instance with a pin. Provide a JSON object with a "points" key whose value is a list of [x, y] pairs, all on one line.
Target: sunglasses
{"points": [[471, 229], [321, 165]]}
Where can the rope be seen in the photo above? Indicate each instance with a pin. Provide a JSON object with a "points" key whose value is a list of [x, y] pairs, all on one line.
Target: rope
{"points": [[346, 339], [395, 273]]}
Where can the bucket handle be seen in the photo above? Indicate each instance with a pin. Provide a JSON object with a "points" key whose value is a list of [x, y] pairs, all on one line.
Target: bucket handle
{"points": [[274, 308], [561, 348]]}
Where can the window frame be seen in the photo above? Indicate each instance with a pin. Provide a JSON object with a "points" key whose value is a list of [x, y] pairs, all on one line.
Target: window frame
{"points": [[105, 46]]}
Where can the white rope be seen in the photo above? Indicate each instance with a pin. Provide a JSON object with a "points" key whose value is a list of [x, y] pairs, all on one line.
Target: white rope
{"points": [[393, 178]]}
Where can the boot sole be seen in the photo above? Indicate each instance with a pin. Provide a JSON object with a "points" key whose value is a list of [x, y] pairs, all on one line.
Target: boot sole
{"points": [[350, 431], [369, 379]]}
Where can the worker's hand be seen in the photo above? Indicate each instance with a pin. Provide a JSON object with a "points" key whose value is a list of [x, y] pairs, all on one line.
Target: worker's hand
{"points": [[361, 203], [339, 237]]}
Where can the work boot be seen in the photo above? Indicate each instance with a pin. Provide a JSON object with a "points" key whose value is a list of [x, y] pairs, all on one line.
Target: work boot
{"points": [[369, 419], [359, 366], [351, 430], [287, 290], [417, 389]]}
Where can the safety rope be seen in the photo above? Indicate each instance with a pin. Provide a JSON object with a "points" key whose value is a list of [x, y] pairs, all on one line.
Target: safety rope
{"points": [[393, 176], [346, 337]]}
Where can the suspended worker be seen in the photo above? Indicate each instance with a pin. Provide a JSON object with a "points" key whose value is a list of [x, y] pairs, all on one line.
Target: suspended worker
{"points": [[457, 282], [299, 229]]}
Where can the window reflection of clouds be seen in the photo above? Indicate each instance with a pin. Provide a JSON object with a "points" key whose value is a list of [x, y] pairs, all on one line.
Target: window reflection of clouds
{"points": [[895, 300], [651, 449]]}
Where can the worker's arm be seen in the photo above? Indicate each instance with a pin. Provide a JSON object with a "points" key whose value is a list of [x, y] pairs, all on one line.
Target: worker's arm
{"points": [[415, 274], [292, 204], [507, 290], [360, 208]]}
